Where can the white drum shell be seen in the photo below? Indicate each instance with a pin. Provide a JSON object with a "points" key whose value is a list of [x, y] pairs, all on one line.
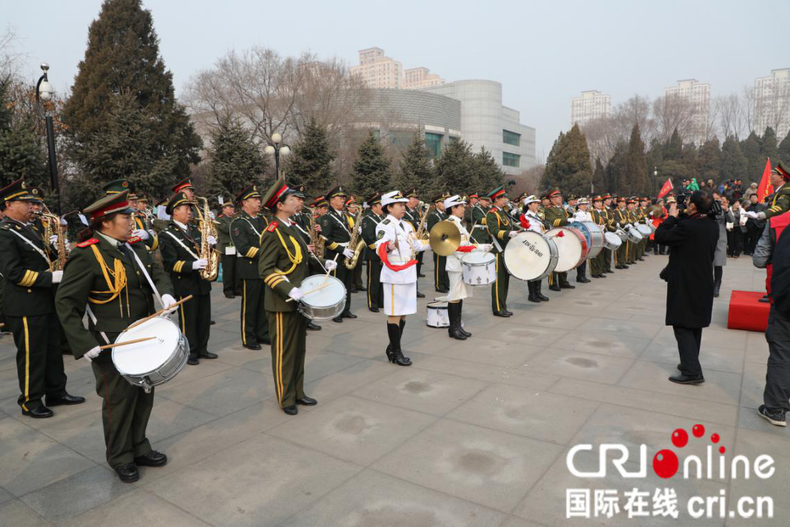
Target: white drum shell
{"points": [[634, 236], [478, 268], [151, 363], [571, 248], [326, 303], [531, 256], [437, 315], [612, 241], [644, 230], [596, 238]]}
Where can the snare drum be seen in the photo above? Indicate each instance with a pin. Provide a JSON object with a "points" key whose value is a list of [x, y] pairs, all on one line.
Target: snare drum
{"points": [[633, 235], [531, 256], [572, 247], [326, 303], [644, 230], [151, 363], [478, 268], [612, 241], [622, 235], [437, 315]]}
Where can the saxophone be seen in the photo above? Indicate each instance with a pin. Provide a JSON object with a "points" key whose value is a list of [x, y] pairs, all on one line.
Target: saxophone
{"points": [[49, 220], [316, 240], [420, 234], [353, 244], [207, 228]]}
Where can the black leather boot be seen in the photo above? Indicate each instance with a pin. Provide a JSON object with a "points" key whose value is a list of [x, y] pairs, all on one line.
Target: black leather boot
{"points": [[461, 318], [455, 321], [395, 355], [538, 294], [531, 288]]}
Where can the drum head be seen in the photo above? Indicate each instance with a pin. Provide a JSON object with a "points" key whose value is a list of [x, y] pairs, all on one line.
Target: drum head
{"points": [[570, 246], [146, 357], [530, 256], [329, 296], [613, 241], [644, 230], [478, 257], [437, 305]]}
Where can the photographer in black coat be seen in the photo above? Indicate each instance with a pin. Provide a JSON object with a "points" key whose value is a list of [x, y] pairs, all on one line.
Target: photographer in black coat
{"points": [[692, 236]]}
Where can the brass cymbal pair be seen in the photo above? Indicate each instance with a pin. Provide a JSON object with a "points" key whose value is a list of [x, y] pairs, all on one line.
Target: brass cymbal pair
{"points": [[445, 238]]}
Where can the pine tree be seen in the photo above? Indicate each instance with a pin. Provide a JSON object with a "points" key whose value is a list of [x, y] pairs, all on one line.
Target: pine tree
{"points": [[123, 58], [568, 165], [234, 160], [488, 174], [768, 146], [673, 150], [709, 160], [416, 169], [20, 154], [783, 151], [599, 178], [551, 175], [371, 171], [755, 163], [455, 169], [636, 164], [733, 162], [311, 162], [616, 174]]}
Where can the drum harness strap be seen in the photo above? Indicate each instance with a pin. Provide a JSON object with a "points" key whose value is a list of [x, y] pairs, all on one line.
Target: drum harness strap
{"points": [[187, 249]]}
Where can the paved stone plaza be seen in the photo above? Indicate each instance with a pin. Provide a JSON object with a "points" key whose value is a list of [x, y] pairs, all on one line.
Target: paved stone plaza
{"points": [[474, 433]]}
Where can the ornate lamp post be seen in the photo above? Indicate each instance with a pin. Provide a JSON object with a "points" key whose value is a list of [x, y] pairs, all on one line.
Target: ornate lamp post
{"points": [[44, 92], [277, 148]]}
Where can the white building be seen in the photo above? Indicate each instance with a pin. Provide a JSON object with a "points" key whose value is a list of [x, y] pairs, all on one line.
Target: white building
{"points": [[486, 123], [772, 103], [378, 70], [698, 94], [590, 105]]}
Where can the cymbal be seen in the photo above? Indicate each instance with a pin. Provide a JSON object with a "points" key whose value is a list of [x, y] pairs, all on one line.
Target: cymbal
{"points": [[445, 238]]}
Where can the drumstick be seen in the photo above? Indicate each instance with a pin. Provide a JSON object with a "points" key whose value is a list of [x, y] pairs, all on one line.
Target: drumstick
{"points": [[127, 343], [326, 277], [311, 291], [149, 317]]}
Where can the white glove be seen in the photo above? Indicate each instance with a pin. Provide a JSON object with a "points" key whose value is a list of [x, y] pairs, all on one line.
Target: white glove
{"points": [[295, 293], [512, 234], [212, 240], [53, 239], [199, 264], [167, 301], [330, 265], [212, 215], [484, 247], [92, 353], [57, 276], [348, 253], [140, 233], [751, 214], [761, 215]]}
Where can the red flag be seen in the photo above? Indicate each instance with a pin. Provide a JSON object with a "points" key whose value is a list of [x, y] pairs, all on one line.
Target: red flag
{"points": [[765, 187], [666, 188]]}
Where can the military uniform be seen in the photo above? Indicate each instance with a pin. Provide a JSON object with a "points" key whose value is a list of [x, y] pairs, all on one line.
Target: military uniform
{"points": [[499, 228], [337, 231], [29, 309], [413, 217], [180, 246], [441, 280], [557, 216], [369, 224], [230, 282], [599, 217], [106, 275], [479, 231], [610, 222], [778, 202], [246, 232], [623, 255]]}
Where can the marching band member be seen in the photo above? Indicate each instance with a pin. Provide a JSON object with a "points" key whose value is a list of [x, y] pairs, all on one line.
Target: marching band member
{"points": [[29, 308], [633, 217], [621, 219], [598, 264], [441, 281], [533, 222], [557, 216], [608, 215], [582, 215], [479, 210], [397, 247], [113, 281], [230, 287], [335, 227], [141, 230], [454, 206], [283, 264], [501, 229], [414, 216], [369, 224]]}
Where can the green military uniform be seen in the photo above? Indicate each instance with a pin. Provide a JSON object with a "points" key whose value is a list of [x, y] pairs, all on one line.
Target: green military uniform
{"points": [[413, 216], [557, 216], [499, 227], [441, 280], [779, 202], [337, 231], [598, 264], [369, 223], [623, 255], [610, 222], [479, 232], [246, 231], [29, 309], [104, 274], [230, 282], [283, 265], [180, 247], [357, 271]]}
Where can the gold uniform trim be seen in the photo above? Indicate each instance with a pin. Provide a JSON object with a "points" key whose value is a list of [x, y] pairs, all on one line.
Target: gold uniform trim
{"points": [[27, 364], [29, 279], [252, 252]]}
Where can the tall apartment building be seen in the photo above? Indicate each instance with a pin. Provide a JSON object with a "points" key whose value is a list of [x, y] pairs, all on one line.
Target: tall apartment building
{"points": [[378, 70], [772, 103], [698, 94], [418, 78], [590, 105]]}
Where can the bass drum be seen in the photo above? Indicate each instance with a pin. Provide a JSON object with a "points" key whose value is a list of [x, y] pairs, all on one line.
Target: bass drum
{"points": [[612, 241], [593, 234], [531, 256], [572, 247]]}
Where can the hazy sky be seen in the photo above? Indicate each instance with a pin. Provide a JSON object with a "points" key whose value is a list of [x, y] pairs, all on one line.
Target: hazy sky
{"points": [[544, 53]]}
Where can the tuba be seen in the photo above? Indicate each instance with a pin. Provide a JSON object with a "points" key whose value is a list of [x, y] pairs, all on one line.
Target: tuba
{"points": [[207, 228], [353, 244]]}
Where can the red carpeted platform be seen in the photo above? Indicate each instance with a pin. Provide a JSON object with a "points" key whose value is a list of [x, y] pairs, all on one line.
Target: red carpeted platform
{"points": [[747, 312]]}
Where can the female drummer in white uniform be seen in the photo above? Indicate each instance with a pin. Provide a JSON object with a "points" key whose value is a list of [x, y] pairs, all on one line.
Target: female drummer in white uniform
{"points": [[397, 246], [534, 223], [582, 215], [454, 207]]}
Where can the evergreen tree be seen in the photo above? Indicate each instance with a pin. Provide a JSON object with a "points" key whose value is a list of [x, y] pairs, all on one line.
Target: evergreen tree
{"points": [[673, 150], [234, 158], [783, 151], [733, 162], [600, 185], [636, 164], [568, 165], [20, 154], [416, 169], [709, 160], [123, 58], [755, 163], [551, 177], [488, 174], [616, 173], [311, 162], [455, 169], [768, 147], [371, 171]]}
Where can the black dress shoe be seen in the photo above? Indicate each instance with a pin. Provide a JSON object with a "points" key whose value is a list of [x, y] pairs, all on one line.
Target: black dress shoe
{"points": [[507, 313], [420, 295], [354, 290], [374, 309], [687, 379], [502, 314], [348, 315], [151, 459], [554, 287], [420, 275], [66, 400], [128, 472], [291, 410], [361, 288], [39, 412], [208, 355], [230, 295], [253, 347], [307, 401], [193, 361], [567, 286], [312, 326], [338, 319], [266, 340], [212, 323], [601, 276]]}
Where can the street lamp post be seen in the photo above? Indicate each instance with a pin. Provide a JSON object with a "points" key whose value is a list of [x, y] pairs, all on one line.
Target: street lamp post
{"points": [[44, 92], [276, 148], [655, 180]]}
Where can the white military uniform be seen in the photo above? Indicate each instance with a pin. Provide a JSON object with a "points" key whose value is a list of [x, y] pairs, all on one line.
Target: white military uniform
{"points": [[458, 289], [582, 215], [535, 222], [400, 287]]}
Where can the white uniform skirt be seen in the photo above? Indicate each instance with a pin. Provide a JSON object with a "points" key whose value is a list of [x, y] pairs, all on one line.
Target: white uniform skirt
{"points": [[400, 299], [458, 288]]}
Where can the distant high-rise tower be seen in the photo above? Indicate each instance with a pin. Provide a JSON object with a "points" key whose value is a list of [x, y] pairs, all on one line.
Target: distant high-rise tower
{"points": [[590, 105], [772, 103], [417, 78], [378, 70], [698, 94]]}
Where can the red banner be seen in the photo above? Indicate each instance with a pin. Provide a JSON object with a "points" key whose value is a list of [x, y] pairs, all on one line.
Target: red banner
{"points": [[666, 189], [765, 188]]}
